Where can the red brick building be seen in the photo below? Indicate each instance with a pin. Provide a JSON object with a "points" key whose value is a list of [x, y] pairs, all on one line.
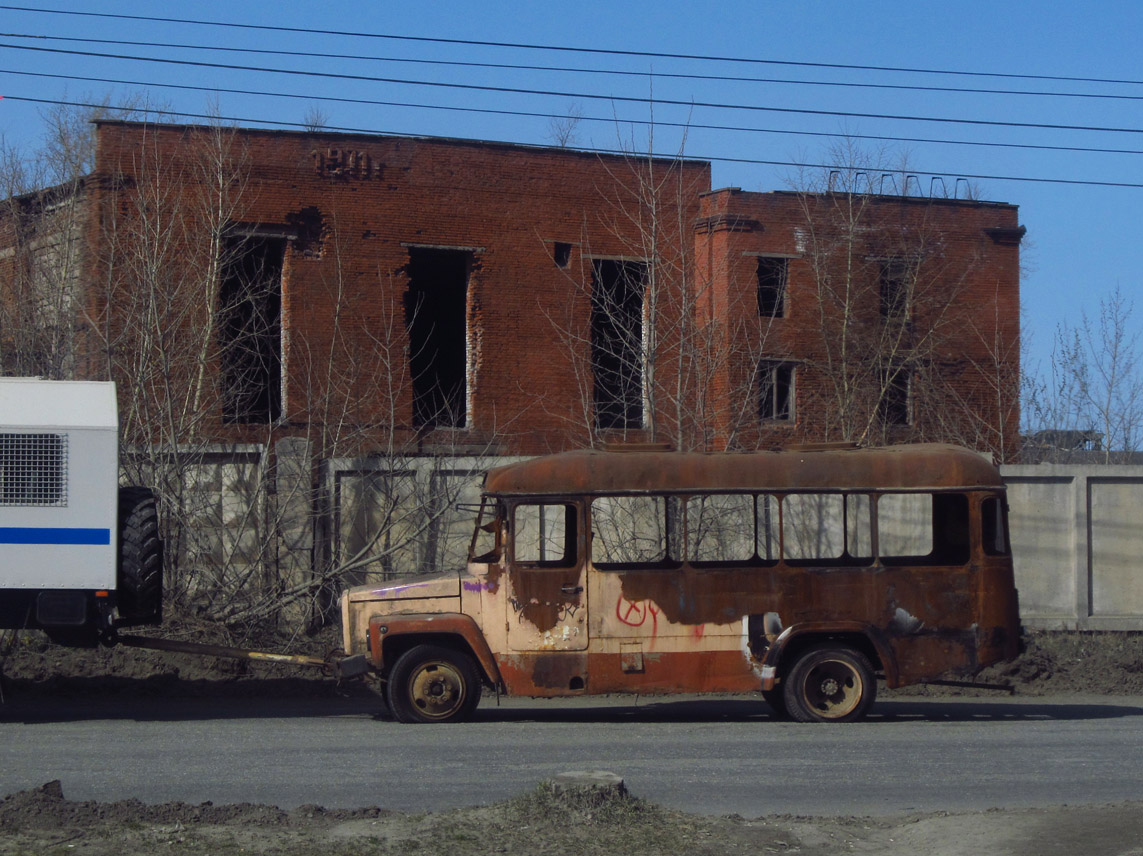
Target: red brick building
{"points": [[864, 317], [378, 292]]}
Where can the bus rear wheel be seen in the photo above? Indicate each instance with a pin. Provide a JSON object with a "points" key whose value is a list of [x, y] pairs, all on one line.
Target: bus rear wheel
{"points": [[830, 683]]}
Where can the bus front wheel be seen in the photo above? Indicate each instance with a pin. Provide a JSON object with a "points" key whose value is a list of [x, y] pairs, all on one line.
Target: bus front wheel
{"points": [[829, 683], [430, 683]]}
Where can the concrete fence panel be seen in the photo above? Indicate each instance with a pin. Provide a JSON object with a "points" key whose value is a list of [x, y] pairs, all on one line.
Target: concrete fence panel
{"points": [[1077, 539]]}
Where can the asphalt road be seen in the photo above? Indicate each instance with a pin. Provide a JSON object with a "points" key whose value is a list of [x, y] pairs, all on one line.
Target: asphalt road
{"points": [[712, 756]]}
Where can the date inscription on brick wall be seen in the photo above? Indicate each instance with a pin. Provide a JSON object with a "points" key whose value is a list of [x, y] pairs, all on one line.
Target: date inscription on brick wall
{"points": [[346, 163]]}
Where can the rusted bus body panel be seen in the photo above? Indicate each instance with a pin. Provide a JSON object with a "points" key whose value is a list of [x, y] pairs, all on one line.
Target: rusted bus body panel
{"points": [[923, 465], [383, 628], [659, 622], [917, 621], [410, 596], [540, 674], [546, 629]]}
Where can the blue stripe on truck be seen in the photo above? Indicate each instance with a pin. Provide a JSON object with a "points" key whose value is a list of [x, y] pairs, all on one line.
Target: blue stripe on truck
{"points": [[51, 535]]}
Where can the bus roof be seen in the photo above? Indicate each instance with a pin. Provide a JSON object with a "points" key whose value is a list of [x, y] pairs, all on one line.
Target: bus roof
{"points": [[906, 467]]}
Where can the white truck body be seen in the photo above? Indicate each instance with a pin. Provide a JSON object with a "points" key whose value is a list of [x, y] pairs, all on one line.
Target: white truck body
{"points": [[59, 471]]}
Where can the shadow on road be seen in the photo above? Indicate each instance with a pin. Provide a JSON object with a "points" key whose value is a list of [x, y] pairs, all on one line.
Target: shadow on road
{"points": [[746, 709], [165, 698], [80, 699]]}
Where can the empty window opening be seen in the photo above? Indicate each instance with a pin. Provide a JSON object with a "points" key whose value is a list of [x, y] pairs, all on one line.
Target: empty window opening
{"points": [[634, 530], [894, 405], [250, 328], [720, 528], [617, 342], [435, 318], [827, 527], [772, 274], [923, 529], [561, 254], [775, 390], [544, 535], [994, 527], [894, 288]]}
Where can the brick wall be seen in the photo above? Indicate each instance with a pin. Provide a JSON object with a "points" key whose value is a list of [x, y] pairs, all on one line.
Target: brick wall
{"points": [[957, 336], [354, 206], [532, 221]]}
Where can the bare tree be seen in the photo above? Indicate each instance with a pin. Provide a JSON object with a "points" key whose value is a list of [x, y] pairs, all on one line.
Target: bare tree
{"points": [[644, 351], [1092, 396], [333, 487], [45, 209], [42, 230], [888, 304], [315, 119], [563, 131], [164, 243]]}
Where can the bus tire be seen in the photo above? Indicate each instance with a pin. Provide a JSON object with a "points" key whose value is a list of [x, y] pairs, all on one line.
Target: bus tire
{"points": [[829, 683], [140, 572], [430, 683]]}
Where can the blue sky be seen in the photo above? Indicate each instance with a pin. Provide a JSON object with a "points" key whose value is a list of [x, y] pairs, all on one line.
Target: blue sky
{"points": [[1083, 239]]}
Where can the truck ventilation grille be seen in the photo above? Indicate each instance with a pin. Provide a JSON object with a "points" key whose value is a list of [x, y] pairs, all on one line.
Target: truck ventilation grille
{"points": [[33, 469]]}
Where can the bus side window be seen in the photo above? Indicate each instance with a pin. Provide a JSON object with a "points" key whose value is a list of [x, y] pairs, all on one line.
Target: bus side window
{"points": [[631, 530], [992, 527], [859, 527], [720, 528], [485, 546], [904, 526], [831, 527], [544, 535], [950, 529], [766, 516], [813, 526], [923, 528]]}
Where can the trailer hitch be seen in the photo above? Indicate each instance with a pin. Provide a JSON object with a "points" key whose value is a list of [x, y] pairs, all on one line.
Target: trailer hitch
{"points": [[337, 664]]}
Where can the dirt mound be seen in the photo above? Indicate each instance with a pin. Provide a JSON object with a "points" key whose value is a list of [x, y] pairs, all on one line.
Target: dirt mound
{"points": [[1107, 663], [1061, 663], [545, 820], [30, 664], [46, 808]]}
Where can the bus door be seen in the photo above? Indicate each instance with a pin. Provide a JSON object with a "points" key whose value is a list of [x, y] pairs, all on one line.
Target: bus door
{"points": [[547, 578]]}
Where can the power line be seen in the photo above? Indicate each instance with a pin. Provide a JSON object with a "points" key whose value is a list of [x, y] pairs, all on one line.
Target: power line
{"points": [[583, 95], [571, 49], [599, 119], [589, 150], [712, 78]]}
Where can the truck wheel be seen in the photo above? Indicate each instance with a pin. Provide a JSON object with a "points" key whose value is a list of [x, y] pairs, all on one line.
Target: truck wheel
{"points": [[140, 575], [429, 683], [830, 683]]}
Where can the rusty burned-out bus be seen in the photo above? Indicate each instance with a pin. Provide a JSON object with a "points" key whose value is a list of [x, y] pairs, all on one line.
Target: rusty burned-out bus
{"points": [[803, 574]]}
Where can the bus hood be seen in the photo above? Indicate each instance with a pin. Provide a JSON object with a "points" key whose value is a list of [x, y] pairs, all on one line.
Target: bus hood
{"points": [[409, 588]]}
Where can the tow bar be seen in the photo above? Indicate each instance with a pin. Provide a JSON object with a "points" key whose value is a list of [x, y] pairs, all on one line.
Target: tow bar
{"points": [[337, 664]]}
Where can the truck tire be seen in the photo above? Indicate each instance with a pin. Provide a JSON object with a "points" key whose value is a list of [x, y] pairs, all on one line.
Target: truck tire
{"points": [[140, 573], [830, 683], [430, 683]]}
